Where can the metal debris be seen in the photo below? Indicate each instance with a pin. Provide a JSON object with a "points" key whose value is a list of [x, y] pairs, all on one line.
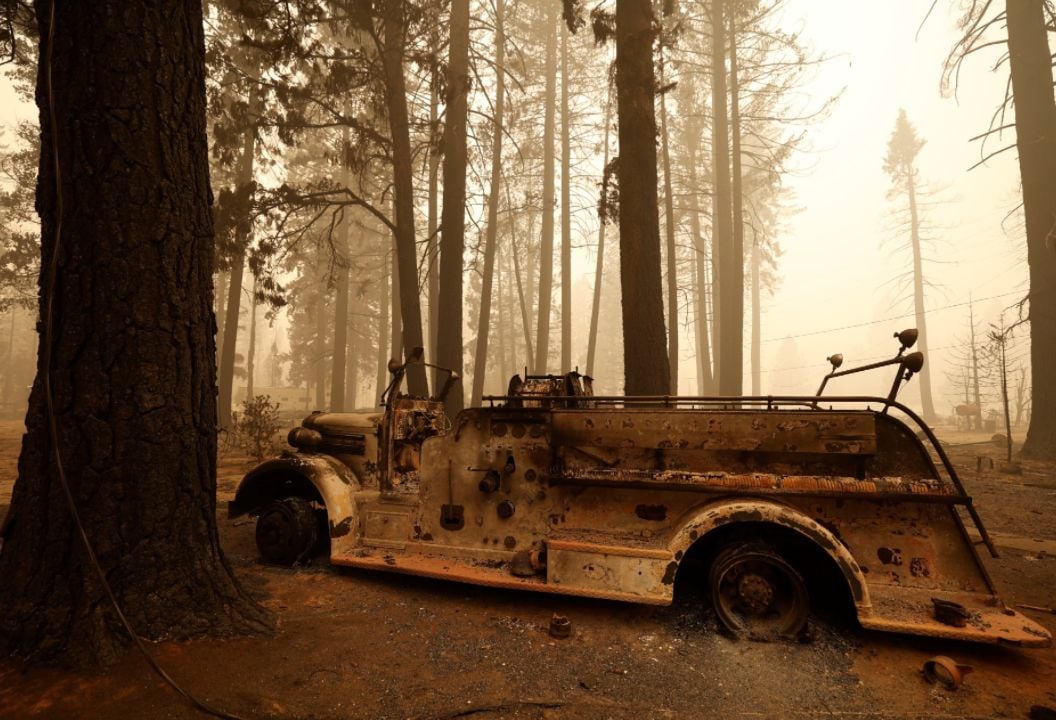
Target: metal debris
{"points": [[945, 671], [951, 613], [560, 627]]}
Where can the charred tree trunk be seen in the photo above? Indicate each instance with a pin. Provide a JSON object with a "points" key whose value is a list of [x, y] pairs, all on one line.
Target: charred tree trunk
{"points": [[132, 360], [9, 363], [546, 244], [352, 367], [731, 381], [531, 250], [705, 378], [926, 402], [338, 374], [721, 221], [319, 349], [975, 369], [453, 217], [433, 205], [595, 308], [1031, 68], [523, 302], [672, 259], [480, 364], [396, 332], [646, 370], [394, 27], [384, 298], [501, 308], [234, 292], [566, 212], [757, 316], [251, 351], [220, 292]]}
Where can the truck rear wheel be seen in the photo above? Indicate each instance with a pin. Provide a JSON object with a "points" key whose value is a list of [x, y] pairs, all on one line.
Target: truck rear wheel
{"points": [[287, 531], [757, 593]]}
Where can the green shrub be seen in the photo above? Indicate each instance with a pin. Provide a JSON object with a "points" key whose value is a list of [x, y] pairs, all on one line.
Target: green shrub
{"points": [[255, 427]]}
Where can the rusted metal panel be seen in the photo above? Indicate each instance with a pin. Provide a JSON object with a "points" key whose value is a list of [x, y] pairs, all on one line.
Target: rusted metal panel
{"points": [[608, 572], [904, 610], [852, 433], [886, 488], [447, 568]]}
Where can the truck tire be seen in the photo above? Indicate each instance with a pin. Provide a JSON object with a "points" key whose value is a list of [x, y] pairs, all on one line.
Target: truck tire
{"points": [[757, 593], [287, 531]]}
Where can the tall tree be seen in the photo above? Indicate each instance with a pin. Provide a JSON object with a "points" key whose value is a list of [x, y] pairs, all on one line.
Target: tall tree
{"points": [[901, 165], [251, 350], [453, 216], [491, 229], [646, 369], [732, 286], [391, 45], [722, 222], [339, 356], [127, 351], [566, 211], [669, 235], [1031, 67], [546, 244], [385, 298], [595, 308], [1030, 92], [243, 232], [433, 201]]}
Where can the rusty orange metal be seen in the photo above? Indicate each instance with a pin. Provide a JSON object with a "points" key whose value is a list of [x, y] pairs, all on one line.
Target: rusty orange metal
{"points": [[552, 489]]}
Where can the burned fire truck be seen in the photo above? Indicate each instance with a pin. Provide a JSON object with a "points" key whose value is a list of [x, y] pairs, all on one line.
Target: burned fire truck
{"points": [[771, 501]]}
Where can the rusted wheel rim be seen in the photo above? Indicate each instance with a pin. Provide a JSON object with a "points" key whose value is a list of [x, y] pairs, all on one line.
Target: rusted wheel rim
{"points": [[286, 531], [756, 592]]}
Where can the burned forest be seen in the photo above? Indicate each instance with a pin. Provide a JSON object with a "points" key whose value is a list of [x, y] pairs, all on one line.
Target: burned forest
{"points": [[527, 359]]}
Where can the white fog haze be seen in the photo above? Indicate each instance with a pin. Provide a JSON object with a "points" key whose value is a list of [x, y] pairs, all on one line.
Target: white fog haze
{"points": [[841, 249]]}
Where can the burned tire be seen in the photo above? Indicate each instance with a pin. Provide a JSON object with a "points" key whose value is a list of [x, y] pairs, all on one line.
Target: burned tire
{"points": [[757, 593], [287, 531]]}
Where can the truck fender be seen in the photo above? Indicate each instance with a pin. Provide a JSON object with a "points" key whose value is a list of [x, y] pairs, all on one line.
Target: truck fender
{"points": [[703, 519], [315, 476]]}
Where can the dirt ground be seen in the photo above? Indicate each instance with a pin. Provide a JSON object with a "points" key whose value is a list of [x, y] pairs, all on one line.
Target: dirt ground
{"points": [[356, 644]]}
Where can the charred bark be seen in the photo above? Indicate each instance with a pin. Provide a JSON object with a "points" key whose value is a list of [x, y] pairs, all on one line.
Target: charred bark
{"points": [[672, 259], [132, 369], [394, 27], [339, 360], [566, 212], [484, 322], [721, 223], [646, 370], [757, 317], [705, 377], [251, 350], [1032, 91], [234, 293], [546, 244], [453, 215], [320, 365], [731, 381], [384, 299], [595, 308], [926, 402], [432, 211]]}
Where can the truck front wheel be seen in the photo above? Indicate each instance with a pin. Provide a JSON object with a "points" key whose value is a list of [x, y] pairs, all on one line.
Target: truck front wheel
{"points": [[757, 593], [287, 531]]}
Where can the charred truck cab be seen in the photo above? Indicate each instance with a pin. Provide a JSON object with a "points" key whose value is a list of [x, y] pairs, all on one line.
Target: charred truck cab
{"points": [[771, 501]]}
